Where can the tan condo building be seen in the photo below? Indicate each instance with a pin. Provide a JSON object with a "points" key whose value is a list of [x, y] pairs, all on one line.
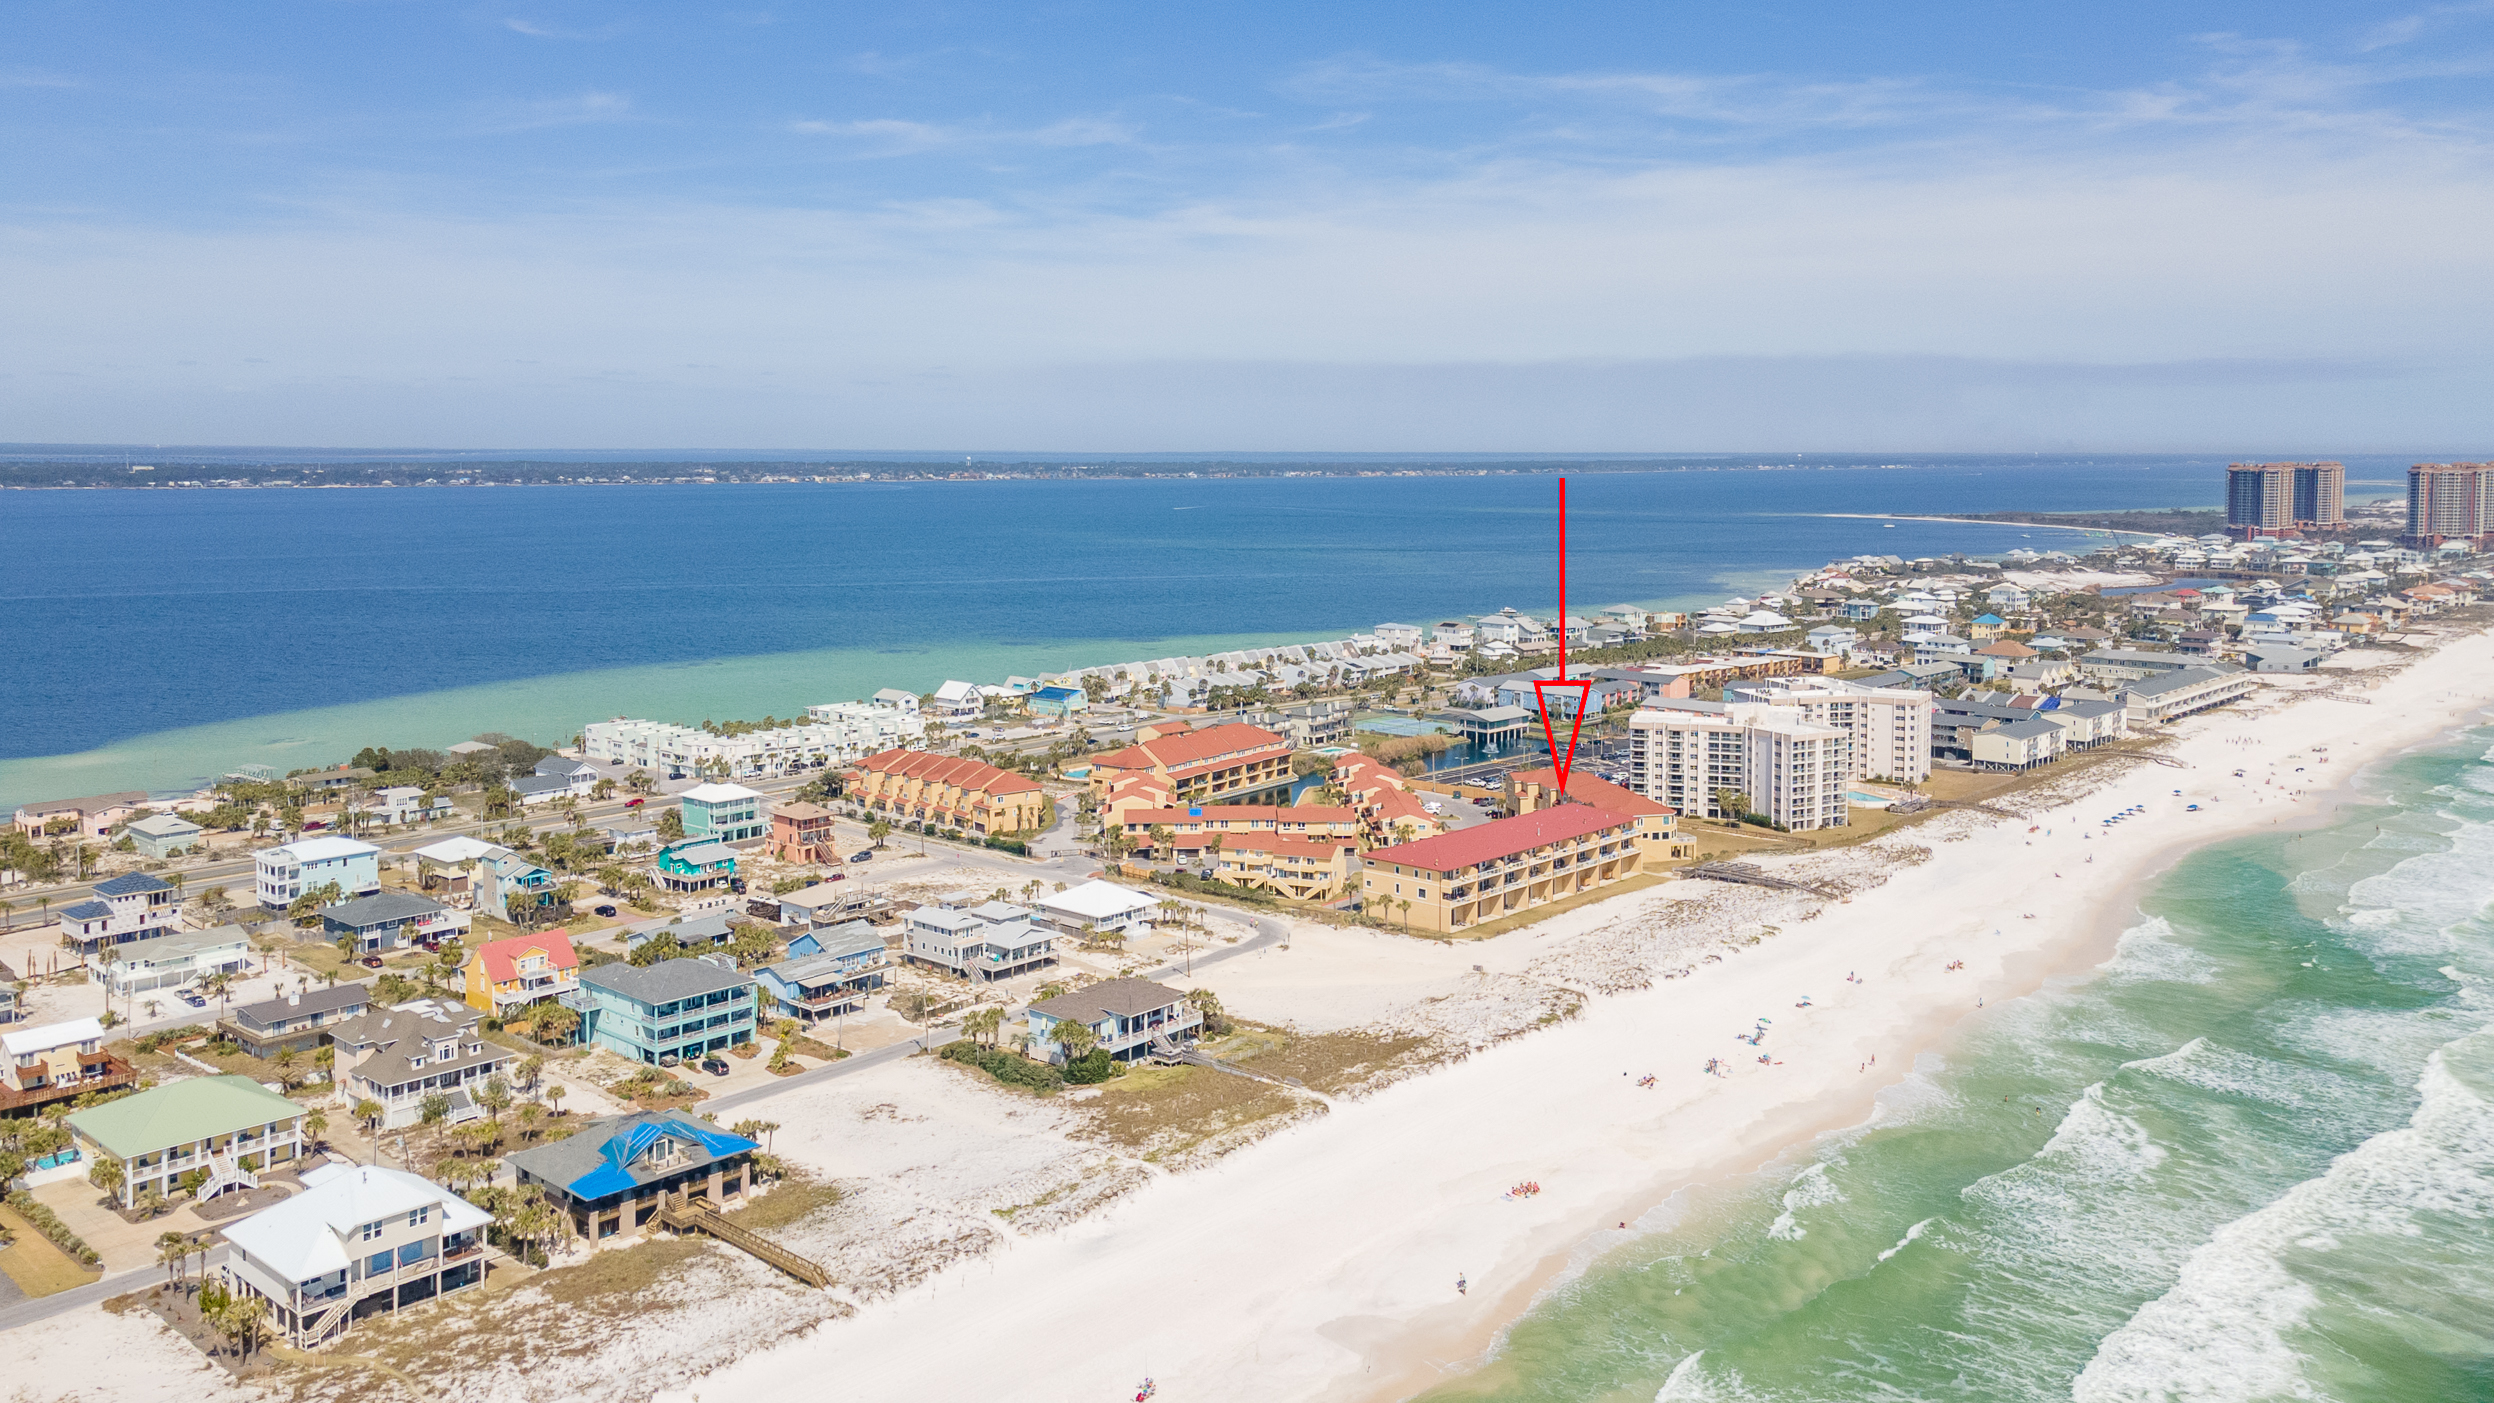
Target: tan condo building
{"points": [[1464, 878], [971, 795], [1233, 764]]}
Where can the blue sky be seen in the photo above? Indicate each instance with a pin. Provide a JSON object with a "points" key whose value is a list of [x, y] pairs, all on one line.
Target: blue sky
{"points": [[1655, 226]]}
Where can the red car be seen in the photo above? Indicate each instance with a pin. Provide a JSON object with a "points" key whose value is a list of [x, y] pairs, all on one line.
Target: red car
{"points": [[632, 803], [372, 962]]}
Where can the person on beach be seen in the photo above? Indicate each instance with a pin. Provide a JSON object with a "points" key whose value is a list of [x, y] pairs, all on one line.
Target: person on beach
{"points": [[1462, 1286]]}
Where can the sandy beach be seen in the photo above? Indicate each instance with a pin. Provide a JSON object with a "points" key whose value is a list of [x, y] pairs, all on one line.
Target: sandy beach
{"points": [[1322, 1261], [988, 1243]]}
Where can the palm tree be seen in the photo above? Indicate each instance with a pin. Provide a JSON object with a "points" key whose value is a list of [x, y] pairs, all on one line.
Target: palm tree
{"points": [[1076, 1037], [554, 1094], [432, 1111], [1405, 906], [316, 1125], [172, 1253]]}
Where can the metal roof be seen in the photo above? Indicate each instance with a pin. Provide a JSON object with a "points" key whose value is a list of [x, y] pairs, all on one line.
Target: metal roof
{"points": [[664, 982], [180, 1112]]}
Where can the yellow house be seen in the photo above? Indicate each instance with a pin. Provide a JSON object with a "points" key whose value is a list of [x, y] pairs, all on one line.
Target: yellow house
{"points": [[521, 969]]}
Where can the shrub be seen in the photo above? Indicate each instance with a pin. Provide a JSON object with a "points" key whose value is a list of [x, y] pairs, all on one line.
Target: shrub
{"points": [[1092, 1067], [50, 1225], [1014, 846], [1004, 1066]]}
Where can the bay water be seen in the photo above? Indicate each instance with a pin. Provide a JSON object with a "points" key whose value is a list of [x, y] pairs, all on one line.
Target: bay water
{"points": [[2249, 1158], [155, 636]]}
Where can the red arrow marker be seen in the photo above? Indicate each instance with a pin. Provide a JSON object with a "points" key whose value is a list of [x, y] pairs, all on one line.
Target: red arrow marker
{"points": [[1563, 761]]}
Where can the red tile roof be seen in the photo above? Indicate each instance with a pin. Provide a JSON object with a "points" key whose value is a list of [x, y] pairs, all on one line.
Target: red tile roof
{"points": [[970, 775], [1599, 792], [502, 956], [1501, 838], [1192, 748], [1277, 814]]}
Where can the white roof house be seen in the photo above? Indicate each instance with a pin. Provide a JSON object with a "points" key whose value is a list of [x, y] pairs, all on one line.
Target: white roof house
{"points": [[455, 850], [1103, 904], [27, 1041], [318, 1231], [325, 849], [719, 793]]}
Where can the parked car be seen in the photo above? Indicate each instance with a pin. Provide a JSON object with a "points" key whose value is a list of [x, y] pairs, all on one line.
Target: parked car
{"points": [[736, 885], [669, 1059], [861, 857], [372, 962], [606, 911], [836, 877], [715, 1065]]}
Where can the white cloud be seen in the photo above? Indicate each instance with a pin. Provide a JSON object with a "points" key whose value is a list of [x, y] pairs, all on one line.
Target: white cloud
{"points": [[892, 136]]}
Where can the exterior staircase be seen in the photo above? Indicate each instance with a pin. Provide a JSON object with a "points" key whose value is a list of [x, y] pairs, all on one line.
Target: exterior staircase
{"points": [[225, 1172], [680, 1212], [317, 1328]]}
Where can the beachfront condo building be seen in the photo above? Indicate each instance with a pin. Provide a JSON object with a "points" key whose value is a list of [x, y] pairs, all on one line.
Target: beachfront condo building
{"points": [[1192, 828], [1497, 869], [1658, 824], [914, 786], [1890, 726], [1726, 760], [284, 873], [1303, 869], [2449, 502], [724, 813], [1233, 764], [2275, 499]]}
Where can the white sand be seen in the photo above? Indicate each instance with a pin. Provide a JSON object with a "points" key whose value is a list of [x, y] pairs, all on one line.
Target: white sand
{"points": [[92, 1356], [1321, 1262]]}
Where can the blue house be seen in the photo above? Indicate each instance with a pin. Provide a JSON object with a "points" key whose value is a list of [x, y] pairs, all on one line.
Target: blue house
{"points": [[610, 1177], [697, 864], [501, 875], [657, 1014], [834, 975], [724, 813], [1058, 701]]}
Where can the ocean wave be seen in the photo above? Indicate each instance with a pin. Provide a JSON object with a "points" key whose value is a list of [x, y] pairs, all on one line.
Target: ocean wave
{"points": [[2223, 1330], [2436, 903], [2152, 950], [1912, 1235], [1811, 1188], [2227, 1071]]}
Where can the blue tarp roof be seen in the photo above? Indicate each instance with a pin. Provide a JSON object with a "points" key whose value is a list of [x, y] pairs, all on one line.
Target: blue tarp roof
{"points": [[614, 1174]]}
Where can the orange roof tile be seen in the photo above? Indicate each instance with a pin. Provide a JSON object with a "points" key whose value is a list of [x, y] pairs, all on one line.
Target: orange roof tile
{"points": [[1500, 838]]}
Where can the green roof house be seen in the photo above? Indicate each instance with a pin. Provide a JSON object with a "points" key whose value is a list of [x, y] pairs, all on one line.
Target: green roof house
{"points": [[227, 1127]]}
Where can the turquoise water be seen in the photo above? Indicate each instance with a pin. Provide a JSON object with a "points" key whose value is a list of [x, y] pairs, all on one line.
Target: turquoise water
{"points": [[179, 633], [2250, 1158]]}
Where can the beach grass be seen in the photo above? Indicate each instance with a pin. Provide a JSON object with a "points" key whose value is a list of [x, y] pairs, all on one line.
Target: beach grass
{"points": [[1167, 1114]]}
